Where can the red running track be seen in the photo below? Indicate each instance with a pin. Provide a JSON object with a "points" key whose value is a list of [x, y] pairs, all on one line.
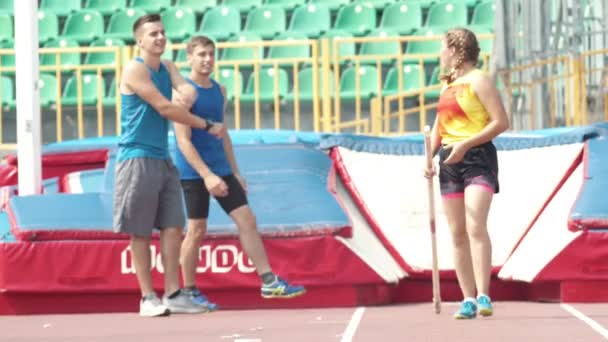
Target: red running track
{"points": [[514, 321]]}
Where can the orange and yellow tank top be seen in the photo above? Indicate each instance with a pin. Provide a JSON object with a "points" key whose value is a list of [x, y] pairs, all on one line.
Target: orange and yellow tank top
{"points": [[460, 113]]}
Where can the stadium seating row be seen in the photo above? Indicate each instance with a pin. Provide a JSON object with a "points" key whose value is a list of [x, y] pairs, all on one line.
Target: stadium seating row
{"points": [[267, 21], [413, 78], [65, 7]]}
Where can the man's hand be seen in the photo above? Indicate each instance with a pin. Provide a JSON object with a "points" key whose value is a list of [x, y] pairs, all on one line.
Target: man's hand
{"points": [[218, 130], [242, 180], [215, 185]]}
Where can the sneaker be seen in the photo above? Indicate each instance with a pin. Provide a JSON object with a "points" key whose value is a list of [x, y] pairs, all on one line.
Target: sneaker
{"points": [[468, 310], [183, 304], [151, 306], [281, 289], [200, 299], [485, 305]]}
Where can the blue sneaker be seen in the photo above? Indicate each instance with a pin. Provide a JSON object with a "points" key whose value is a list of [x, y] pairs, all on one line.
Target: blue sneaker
{"points": [[485, 305], [200, 299], [468, 310], [281, 289]]}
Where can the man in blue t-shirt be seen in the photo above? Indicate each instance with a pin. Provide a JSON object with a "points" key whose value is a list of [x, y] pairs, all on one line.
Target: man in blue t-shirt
{"points": [[207, 167], [147, 191]]}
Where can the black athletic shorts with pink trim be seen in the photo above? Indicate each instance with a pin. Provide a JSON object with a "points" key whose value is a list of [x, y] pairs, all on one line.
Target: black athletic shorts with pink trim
{"points": [[479, 166]]}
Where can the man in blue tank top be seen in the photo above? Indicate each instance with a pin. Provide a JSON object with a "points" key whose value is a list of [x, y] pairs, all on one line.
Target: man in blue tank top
{"points": [[207, 167], [147, 190]]}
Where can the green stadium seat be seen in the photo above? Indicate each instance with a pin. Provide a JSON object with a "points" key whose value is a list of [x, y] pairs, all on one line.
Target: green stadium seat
{"points": [[47, 84], [150, 6], [433, 95], [120, 25], [287, 5], [425, 47], [368, 82], [306, 85], [110, 97], [484, 16], [7, 61], [344, 49], [266, 85], [244, 53], [180, 23], [48, 26], [311, 20], [232, 81], [378, 4], [103, 58], [83, 26], [424, 4], [404, 18], [381, 48], [333, 5], [8, 92], [89, 90], [485, 45], [7, 7], [67, 58], [60, 7], [447, 14], [289, 51], [6, 27], [265, 21], [197, 6], [356, 18], [469, 3], [413, 79], [221, 22], [243, 6], [106, 7], [169, 51]]}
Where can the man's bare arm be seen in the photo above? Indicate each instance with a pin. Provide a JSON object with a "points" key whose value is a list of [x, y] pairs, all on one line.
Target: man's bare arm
{"points": [[136, 79]]}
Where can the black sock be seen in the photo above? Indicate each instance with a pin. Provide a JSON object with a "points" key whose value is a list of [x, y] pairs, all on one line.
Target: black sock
{"points": [[174, 294], [268, 278], [191, 288]]}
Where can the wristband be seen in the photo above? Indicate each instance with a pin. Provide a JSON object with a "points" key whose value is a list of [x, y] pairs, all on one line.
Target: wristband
{"points": [[208, 125]]}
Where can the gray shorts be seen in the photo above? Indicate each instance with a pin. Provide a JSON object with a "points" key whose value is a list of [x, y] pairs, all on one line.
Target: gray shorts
{"points": [[147, 195]]}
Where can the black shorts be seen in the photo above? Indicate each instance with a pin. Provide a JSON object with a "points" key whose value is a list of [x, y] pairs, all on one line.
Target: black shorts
{"points": [[479, 166], [197, 197]]}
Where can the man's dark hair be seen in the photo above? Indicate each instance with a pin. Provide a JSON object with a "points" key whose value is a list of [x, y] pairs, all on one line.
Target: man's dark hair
{"points": [[148, 18], [199, 40]]}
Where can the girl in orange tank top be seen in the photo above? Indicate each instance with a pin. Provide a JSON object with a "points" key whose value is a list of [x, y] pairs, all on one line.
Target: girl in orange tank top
{"points": [[469, 115]]}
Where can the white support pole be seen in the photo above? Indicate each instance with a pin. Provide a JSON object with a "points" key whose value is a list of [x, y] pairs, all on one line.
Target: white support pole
{"points": [[28, 97]]}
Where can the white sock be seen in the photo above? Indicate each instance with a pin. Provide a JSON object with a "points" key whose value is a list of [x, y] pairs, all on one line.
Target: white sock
{"points": [[470, 299], [482, 294]]}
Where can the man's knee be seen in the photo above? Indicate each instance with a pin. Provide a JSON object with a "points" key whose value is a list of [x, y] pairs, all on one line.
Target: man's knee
{"points": [[244, 218], [197, 229]]}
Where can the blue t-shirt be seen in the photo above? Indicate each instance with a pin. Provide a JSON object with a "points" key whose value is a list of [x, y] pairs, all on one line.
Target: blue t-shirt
{"points": [[143, 130], [209, 104]]}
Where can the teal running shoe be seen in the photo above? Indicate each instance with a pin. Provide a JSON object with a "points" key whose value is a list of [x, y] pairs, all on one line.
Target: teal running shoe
{"points": [[485, 306], [468, 310], [200, 299], [281, 289]]}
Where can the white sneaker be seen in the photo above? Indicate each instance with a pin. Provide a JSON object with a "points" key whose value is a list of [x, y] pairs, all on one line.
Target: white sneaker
{"points": [[151, 306], [183, 303]]}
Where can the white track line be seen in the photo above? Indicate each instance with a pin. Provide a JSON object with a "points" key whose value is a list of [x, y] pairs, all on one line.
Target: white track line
{"points": [[351, 329], [587, 320]]}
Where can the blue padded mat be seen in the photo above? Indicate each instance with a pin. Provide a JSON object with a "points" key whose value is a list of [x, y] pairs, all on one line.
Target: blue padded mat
{"points": [[287, 192], [591, 207]]}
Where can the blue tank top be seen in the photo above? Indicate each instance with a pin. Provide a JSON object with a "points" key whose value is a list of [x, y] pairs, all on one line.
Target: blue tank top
{"points": [[144, 130], [209, 105]]}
